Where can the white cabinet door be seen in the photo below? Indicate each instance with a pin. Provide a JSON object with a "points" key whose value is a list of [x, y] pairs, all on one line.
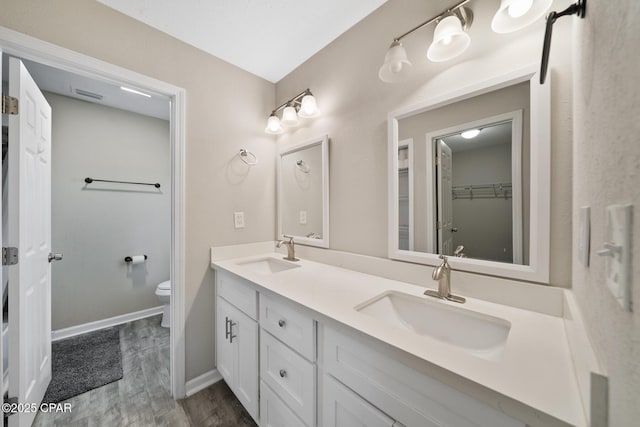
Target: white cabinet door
{"points": [[343, 408], [224, 348], [244, 336], [273, 411], [237, 354]]}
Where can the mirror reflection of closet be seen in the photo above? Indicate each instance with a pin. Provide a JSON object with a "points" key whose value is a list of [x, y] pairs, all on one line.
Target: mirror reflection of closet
{"points": [[405, 194], [476, 193]]}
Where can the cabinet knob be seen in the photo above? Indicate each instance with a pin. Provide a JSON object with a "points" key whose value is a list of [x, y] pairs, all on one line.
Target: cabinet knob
{"points": [[282, 323], [283, 373]]}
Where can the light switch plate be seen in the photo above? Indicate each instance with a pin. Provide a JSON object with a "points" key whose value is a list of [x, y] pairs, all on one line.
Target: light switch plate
{"points": [[618, 261], [303, 217], [238, 219], [584, 235]]}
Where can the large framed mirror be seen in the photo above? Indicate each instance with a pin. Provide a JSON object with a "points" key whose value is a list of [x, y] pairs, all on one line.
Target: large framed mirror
{"points": [[469, 177], [303, 192]]}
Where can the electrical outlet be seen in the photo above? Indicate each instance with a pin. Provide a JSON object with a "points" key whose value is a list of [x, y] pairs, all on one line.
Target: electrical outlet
{"points": [[238, 219], [303, 217]]}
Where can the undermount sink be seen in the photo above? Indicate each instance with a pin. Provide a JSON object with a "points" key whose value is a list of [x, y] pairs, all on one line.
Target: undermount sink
{"points": [[268, 265], [482, 335]]}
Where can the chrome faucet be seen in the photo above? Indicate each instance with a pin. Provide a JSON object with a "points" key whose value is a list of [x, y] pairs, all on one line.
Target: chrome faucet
{"points": [[291, 248], [442, 274]]}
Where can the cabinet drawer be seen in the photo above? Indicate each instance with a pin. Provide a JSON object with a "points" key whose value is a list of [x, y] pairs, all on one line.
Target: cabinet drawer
{"points": [[344, 408], [238, 292], [411, 397], [289, 325], [273, 411], [291, 377]]}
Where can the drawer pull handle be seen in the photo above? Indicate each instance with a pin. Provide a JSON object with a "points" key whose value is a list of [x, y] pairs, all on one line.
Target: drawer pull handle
{"points": [[226, 328], [281, 323], [283, 373]]}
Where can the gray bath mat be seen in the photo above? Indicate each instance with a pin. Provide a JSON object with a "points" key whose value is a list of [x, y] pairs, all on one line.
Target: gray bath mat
{"points": [[83, 363]]}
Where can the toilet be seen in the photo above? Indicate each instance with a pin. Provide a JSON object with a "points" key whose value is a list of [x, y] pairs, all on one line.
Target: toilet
{"points": [[163, 292]]}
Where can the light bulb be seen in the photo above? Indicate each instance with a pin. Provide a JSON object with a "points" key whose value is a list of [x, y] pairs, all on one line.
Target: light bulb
{"points": [[471, 133], [308, 106], [446, 40], [395, 67], [273, 125], [518, 8], [290, 116]]}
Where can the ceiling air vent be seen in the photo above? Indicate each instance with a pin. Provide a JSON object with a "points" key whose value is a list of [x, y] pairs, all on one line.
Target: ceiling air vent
{"points": [[87, 94]]}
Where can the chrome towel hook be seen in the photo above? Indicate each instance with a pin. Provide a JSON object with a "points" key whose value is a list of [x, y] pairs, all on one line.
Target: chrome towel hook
{"points": [[245, 156]]}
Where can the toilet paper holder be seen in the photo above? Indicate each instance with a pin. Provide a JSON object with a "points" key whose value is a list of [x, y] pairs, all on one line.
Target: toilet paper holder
{"points": [[128, 259]]}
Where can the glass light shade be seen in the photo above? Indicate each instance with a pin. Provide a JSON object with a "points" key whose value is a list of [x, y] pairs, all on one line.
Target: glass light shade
{"points": [[470, 134], [273, 125], [513, 15], [396, 66], [290, 117], [308, 106], [449, 40]]}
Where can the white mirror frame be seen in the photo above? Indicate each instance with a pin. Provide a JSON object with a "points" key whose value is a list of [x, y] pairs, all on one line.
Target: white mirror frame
{"points": [[323, 141], [540, 178]]}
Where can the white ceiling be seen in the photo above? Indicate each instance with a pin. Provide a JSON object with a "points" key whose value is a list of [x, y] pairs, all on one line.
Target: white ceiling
{"points": [[65, 83], [489, 135], [269, 38]]}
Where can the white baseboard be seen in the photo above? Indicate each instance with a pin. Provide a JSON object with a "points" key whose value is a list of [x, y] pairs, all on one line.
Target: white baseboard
{"points": [[104, 323], [203, 381]]}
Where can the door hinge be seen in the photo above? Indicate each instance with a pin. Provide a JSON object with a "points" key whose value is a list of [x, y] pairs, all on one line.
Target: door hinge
{"points": [[9, 256], [13, 403], [9, 105]]}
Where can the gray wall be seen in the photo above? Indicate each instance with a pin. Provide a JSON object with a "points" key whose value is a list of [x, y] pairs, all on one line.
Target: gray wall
{"points": [[97, 225], [485, 226], [216, 185], [354, 105], [607, 171]]}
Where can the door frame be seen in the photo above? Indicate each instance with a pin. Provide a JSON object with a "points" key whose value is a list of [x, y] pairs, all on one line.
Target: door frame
{"points": [[27, 47]]}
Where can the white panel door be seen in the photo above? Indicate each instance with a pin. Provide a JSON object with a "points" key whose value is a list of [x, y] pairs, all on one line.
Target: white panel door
{"points": [[445, 199], [29, 187]]}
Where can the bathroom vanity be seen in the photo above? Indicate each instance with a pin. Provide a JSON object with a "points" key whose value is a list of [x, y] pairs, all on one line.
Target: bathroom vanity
{"points": [[311, 344]]}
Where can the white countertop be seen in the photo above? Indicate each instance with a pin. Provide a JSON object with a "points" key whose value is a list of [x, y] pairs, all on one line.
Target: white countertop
{"points": [[535, 368]]}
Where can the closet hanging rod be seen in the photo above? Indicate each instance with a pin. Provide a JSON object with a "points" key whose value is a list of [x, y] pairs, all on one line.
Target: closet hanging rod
{"points": [[90, 180]]}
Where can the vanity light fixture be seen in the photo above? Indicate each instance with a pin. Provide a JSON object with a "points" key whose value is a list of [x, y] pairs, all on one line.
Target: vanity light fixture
{"points": [[470, 134], [302, 105], [450, 38], [513, 15]]}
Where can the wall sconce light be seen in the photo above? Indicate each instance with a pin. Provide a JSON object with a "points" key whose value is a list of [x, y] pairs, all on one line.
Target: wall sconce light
{"points": [[302, 105], [450, 38], [513, 15]]}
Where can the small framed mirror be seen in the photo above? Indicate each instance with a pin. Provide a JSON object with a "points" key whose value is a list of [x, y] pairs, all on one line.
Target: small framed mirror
{"points": [[303, 192], [469, 178]]}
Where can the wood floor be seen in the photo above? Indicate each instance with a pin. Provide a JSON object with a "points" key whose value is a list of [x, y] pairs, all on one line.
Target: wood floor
{"points": [[143, 397]]}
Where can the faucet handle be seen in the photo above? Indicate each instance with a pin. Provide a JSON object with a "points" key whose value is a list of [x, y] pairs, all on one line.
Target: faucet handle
{"points": [[442, 257], [288, 237]]}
